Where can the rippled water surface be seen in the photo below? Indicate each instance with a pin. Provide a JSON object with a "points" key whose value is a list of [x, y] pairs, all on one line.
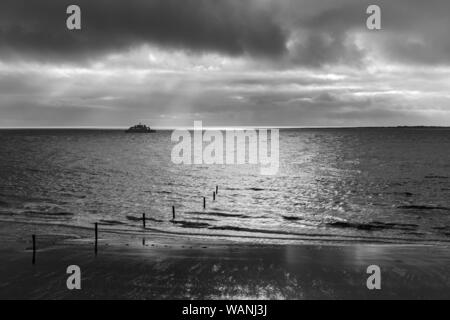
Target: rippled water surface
{"points": [[344, 184]]}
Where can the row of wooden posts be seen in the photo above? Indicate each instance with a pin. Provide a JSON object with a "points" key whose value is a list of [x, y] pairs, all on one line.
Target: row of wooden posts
{"points": [[143, 224]]}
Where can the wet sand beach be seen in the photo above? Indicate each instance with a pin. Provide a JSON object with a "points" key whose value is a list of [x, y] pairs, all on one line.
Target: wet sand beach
{"points": [[158, 266]]}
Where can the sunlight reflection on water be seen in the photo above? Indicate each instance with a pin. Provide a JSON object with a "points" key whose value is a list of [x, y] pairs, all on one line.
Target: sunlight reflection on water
{"points": [[351, 184]]}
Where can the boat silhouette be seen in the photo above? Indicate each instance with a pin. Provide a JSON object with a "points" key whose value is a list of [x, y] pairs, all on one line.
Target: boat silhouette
{"points": [[139, 128]]}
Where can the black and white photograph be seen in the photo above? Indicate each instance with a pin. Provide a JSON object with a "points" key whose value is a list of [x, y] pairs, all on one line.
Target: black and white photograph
{"points": [[239, 152]]}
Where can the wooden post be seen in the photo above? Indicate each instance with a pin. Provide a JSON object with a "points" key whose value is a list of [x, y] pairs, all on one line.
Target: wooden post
{"points": [[204, 202], [143, 220], [173, 212], [96, 236], [34, 249], [214, 196]]}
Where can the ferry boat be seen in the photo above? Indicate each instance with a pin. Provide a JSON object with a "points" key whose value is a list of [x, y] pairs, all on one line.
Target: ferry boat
{"points": [[139, 128]]}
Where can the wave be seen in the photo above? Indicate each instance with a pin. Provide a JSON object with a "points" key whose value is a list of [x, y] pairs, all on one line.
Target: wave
{"points": [[191, 224], [406, 194], [291, 218], [160, 192], [436, 177], [256, 189], [372, 226], [49, 213], [250, 189], [423, 207], [111, 222], [282, 233], [275, 235], [218, 214], [442, 228], [205, 219], [242, 229], [133, 218]]}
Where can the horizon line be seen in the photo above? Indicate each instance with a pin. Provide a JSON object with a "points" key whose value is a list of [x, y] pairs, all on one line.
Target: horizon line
{"points": [[212, 127]]}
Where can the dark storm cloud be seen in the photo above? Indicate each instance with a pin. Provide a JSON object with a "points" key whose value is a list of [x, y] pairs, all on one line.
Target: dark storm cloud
{"points": [[413, 31], [234, 27], [281, 32]]}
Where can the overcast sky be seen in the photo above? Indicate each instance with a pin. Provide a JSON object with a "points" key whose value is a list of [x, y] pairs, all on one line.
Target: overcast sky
{"points": [[225, 62]]}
